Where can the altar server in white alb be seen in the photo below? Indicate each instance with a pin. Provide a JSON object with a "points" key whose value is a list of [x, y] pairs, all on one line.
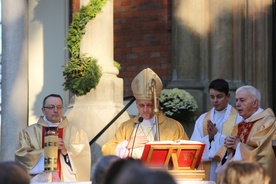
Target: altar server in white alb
{"points": [[213, 126], [73, 152]]}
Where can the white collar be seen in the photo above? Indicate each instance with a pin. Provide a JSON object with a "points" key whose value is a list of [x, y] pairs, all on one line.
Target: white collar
{"points": [[227, 112], [254, 114], [148, 121], [50, 124]]}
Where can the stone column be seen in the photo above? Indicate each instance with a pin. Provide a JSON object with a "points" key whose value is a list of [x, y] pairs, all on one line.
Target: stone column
{"points": [[97, 108], [14, 75]]}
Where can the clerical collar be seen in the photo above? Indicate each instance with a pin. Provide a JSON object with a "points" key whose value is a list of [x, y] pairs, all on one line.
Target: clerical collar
{"points": [[50, 124], [254, 114], [148, 121], [220, 112]]}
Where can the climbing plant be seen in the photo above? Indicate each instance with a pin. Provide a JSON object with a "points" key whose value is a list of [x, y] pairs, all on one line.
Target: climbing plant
{"points": [[82, 73]]}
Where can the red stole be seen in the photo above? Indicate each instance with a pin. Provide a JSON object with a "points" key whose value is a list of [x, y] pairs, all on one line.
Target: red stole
{"points": [[60, 135], [244, 130]]}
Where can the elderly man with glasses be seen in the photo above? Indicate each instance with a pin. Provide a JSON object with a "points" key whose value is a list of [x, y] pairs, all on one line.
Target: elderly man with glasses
{"points": [[54, 146]]}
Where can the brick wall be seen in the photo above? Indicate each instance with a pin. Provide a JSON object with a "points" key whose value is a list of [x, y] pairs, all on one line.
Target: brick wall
{"points": [[75, 6], [142, 38]]}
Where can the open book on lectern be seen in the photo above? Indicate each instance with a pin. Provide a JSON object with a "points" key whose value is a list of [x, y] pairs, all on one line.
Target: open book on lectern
{"points": [[182, 154]]}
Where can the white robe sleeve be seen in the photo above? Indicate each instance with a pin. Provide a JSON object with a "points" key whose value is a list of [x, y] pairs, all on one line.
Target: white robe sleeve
{"points": [[39, 167], [199, 136], [216, 144], [238, 155], [121, 149], [198, 129]]}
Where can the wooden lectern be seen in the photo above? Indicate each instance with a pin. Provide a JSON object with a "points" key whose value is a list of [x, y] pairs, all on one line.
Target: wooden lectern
{"points": [[180, 158]]}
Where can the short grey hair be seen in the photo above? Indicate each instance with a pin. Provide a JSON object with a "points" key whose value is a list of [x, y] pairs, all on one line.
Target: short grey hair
{"points": [[254, 93]]}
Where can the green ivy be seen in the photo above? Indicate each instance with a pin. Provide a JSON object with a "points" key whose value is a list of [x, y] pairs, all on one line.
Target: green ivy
{"points": [[117, 65], [82, 73]]}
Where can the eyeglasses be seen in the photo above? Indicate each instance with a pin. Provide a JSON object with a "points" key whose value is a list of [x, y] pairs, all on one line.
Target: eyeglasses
{"points": [[53, 107]]}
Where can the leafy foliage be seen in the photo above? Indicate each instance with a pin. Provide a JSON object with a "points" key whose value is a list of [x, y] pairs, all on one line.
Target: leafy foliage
{"points": [[77, 27], [117, 65], [82, 73], [175, 102]]}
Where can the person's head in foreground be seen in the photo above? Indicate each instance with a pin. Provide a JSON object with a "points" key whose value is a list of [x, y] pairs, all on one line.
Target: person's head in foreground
{"points": [[245, 172], [132, 171], [100, 169], [13, 173]]}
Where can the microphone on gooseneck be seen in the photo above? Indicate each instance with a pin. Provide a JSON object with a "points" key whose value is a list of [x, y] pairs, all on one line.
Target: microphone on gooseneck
{"points": [[140, 119]]}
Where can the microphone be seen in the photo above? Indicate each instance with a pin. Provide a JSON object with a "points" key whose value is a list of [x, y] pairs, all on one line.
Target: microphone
{"points": [[140, 119]]}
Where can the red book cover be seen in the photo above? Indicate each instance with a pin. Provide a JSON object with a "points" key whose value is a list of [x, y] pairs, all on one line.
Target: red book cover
{"points": [[182, 154]]}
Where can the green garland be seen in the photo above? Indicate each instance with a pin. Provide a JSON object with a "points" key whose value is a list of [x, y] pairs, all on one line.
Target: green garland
{"points": [[82, 73]]}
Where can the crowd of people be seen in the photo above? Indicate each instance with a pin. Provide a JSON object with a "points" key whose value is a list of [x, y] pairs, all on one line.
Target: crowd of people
{"points": [[238, 141]]}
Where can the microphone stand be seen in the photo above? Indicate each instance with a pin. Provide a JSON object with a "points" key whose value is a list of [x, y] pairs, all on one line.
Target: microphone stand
{"points": [[140, 119]]}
